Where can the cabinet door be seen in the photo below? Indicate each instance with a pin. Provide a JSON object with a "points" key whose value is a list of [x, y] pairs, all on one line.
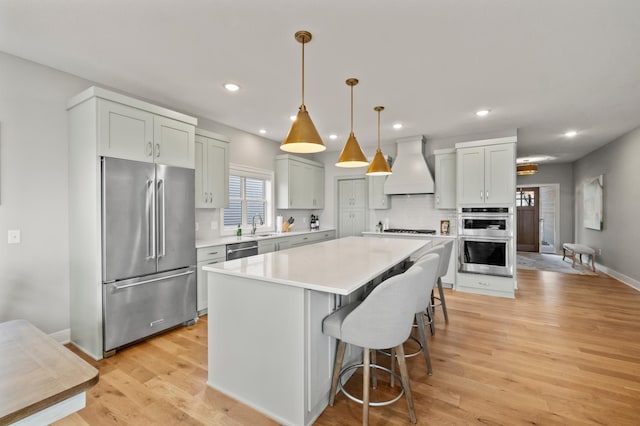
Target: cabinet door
{"points": [[173, 142], [470, 175], [218, 173], [446, 181], [300, 186], [125, 132], [377, 197], [318, 187], [500, 172], [202, 193]]}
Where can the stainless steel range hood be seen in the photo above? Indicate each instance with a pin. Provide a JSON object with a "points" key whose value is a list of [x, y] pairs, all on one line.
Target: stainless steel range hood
{"points": [[411, 174]]}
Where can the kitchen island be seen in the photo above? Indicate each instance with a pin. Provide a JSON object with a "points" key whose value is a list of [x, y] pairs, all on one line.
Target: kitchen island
{"points": [[266, 346]]}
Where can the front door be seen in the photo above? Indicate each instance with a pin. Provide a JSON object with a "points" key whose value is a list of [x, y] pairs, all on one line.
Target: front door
{"points": [[527, 210]]}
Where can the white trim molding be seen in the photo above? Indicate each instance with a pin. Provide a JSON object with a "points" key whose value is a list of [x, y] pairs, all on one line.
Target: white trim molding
{"points": [[635, 284]]}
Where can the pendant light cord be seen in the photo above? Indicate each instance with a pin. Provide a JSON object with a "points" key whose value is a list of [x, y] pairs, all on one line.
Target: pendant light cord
{"points": [[378, 130], [303, 72], [351, 109]]}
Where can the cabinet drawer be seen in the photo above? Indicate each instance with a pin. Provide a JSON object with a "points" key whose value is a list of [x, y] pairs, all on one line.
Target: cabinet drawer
{"points": [[488, 283], [212, 253]]}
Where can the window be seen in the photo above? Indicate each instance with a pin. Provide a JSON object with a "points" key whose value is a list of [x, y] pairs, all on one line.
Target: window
{"points": [[525, 198], [250, 196]]}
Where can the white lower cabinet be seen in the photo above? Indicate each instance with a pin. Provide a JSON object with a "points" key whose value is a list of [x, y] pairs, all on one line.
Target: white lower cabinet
{"points": [[207, 256], [486, 284], [282, 243]]}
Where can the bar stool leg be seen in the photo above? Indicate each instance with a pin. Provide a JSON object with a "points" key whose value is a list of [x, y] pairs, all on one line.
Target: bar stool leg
{"points": [[404, 374], [374, 374], [337, 366], [442, 302], [432, 324], [393, 367], [423, 340], [365, 387]]}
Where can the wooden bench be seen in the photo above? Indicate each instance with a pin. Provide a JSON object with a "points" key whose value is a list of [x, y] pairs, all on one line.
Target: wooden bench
{"points": [[579, 249]]}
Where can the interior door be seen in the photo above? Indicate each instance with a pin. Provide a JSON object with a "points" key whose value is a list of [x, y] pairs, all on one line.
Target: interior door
{"points": [[352, 200], [528, 219]]}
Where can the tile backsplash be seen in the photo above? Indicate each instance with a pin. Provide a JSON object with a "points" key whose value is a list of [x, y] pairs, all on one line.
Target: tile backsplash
{"points": [[416, 211]]}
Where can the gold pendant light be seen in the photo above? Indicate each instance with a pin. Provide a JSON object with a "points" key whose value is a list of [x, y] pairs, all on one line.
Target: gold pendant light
{"points": [[303, 137], [379, 165], [352, 155], [527, 169]]}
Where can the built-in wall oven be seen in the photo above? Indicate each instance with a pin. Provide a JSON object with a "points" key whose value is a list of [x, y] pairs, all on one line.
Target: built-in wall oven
{"points": [[486, 240]]}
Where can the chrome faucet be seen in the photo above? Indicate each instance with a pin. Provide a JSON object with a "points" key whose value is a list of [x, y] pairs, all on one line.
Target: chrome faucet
{"points": [[253, 223]]}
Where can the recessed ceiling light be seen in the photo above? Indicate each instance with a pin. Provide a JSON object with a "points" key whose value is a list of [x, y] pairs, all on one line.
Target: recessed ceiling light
{"points": [[482, 112], [571, 133], [292, 117], [397, 126], [232, 87], [262, 131], [333, 136]]}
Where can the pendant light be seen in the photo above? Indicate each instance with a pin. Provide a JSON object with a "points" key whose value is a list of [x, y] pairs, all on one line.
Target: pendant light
{"points": [[352, 155], [303, 136], [379, 165], [527, 169]]}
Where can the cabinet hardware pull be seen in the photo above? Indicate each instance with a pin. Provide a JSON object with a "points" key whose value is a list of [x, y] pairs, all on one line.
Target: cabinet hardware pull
{"points": [[487, 197], [149, 149], [481, 194], [152, 323], [157, 150]]}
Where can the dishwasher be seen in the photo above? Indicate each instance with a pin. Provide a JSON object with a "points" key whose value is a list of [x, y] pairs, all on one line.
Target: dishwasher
{"points": [[244, 249]]}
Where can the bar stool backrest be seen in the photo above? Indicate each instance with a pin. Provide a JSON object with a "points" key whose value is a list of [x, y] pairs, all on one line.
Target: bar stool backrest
{"points": [[429, 263], [385, 316]]}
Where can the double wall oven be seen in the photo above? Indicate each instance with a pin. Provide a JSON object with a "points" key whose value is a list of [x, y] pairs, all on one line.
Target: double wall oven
{"points": [[486, 240]]}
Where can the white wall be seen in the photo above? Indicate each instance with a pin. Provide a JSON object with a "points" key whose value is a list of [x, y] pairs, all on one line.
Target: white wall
{"points": [[34, 275], [618, 162]]}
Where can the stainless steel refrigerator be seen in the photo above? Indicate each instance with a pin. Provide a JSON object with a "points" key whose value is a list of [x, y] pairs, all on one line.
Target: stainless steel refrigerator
{"points": [[148, 250]]}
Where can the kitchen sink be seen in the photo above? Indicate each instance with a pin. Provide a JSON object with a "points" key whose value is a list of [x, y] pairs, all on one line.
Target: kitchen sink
{"points": [[266, 235]]}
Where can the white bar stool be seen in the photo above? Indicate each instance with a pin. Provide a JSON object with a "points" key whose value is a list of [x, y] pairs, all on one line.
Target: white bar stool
{"points": [[382, 320]]}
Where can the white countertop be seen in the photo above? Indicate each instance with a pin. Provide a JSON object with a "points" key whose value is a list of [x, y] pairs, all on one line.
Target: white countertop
{"points": [[404, 234], [258, 237], [338, 266]]}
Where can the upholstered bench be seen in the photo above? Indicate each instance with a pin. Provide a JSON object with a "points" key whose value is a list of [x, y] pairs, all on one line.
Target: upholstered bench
{"points": [[579, 249]]}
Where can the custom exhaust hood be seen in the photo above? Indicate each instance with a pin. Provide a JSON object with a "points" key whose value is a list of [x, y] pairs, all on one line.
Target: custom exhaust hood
{"points": [[411, 174]]}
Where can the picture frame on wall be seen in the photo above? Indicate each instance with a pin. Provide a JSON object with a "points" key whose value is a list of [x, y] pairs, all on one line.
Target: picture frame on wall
{"points": [[593, 199], [444, 227]]}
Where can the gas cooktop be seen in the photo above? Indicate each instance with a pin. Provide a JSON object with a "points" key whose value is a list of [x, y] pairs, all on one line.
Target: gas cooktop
{"points": [[410, 231]]}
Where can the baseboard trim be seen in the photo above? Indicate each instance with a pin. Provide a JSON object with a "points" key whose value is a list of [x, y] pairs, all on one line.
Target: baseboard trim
{"points": [[62, 336], [634, 284]]}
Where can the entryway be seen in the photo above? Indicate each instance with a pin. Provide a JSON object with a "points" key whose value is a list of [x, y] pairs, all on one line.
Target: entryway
{"points": [[537, 216]]}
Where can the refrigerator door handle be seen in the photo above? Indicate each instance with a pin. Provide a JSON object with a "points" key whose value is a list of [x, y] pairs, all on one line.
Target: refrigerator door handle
{"points": [[121, 286], [151, 232], [161, 220]]}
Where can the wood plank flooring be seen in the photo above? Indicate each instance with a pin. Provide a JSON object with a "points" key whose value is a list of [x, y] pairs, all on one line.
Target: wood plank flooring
{"points": [[566, 351]]}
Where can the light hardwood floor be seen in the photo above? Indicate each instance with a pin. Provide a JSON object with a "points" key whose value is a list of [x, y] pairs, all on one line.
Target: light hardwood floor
{"points": [[566, 351]]}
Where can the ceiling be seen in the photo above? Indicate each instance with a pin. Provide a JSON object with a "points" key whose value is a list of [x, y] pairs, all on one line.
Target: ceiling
{"points": [[541, 66]]}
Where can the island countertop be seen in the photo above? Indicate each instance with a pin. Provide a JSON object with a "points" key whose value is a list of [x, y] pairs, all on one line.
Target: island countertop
{"points": [[338, 266]]}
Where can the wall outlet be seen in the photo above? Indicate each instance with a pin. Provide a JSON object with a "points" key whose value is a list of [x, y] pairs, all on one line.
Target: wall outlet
{"points": [[599, 252], [197, 226], [13, 236]]}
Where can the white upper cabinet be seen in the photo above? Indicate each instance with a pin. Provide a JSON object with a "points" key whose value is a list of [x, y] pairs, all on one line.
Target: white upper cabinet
{"points": [[212, 170], [299, 183], [445, 197], [136, 130], [125, 132], [486, 174], [174, 142], [377, 198]]}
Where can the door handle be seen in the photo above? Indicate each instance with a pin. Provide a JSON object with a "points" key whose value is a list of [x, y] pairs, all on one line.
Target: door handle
{"points": [[162, 220], [151, 228]]}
